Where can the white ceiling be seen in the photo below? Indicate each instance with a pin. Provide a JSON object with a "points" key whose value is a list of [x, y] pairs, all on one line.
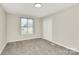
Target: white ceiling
{"points": [[29, 9]]}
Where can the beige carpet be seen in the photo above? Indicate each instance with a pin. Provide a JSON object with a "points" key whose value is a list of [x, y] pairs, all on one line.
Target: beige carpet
{"points": [[36, 47]]}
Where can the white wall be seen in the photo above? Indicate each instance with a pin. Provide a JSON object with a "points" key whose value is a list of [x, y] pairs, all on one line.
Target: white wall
{"points": [[13, 29], [3, 40], [48, 28], [66, 28]]}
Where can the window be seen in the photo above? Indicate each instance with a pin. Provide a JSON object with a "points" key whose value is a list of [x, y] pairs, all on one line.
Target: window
{"points": [[27, 26]]}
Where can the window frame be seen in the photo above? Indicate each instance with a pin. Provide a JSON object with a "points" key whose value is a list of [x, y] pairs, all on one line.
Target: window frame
{"points": [[32, 26]]}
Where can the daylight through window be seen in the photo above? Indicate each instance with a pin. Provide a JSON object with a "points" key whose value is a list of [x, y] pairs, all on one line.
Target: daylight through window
{"points": [[27, 26]]}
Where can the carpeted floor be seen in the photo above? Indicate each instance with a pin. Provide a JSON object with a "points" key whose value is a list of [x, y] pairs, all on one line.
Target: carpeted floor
{"points": [[36, 47]]}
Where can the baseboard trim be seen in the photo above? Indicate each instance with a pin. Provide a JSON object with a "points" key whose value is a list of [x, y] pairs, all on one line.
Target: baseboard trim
{"points": [[66, 47], [3, 46], [23, 40], [63, 45]]}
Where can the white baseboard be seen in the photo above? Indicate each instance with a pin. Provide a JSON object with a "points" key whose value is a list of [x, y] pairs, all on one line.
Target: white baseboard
{"points": [[23, 39], [2, 47], [73, 49]]}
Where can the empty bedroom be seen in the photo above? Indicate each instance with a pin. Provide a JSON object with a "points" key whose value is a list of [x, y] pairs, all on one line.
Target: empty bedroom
{"points": [[39, 29]]}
